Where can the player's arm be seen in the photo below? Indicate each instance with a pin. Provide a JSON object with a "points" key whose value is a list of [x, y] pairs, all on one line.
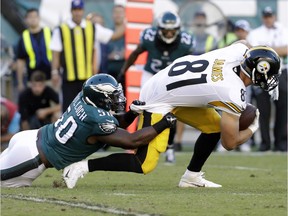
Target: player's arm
{"points": [[231, 137], [131, 59], [123, 139]]}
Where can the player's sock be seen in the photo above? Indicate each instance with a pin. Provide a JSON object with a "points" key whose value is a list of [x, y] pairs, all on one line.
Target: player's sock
{"points": [[116, 162], [204, 146]]}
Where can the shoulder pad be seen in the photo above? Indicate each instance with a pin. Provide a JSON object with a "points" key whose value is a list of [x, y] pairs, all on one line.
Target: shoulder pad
{"points": [[148, 35]]}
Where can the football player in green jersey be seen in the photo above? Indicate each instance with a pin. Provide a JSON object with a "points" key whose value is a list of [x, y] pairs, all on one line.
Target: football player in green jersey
{"points": [[85, 127], [164, 43]]}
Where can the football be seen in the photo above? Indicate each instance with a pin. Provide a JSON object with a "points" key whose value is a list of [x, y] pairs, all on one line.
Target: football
{"points": [[247, 117]]}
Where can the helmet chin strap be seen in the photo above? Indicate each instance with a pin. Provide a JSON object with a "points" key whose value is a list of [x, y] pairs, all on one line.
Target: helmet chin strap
{"points": [[274, 94], [253, 75]]}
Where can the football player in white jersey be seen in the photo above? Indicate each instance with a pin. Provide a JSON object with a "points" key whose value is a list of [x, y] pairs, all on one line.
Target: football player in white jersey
{"points": [[194, 87]]}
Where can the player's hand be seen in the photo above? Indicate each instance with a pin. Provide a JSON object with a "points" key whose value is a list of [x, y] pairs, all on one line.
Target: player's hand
{"points": [[134, 106], [255, 124], [138, 102], [171, 120]]}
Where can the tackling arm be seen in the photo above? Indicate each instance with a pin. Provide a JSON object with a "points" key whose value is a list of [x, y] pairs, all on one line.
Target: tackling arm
{"points": [[123, 139]]}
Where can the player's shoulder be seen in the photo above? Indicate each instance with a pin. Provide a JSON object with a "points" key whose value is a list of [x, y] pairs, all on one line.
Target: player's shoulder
{"points": [[103, 120], [148, 35]]}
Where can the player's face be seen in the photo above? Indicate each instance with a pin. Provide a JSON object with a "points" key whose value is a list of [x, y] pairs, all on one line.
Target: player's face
{"points": [[241, 34], [32, 19], [77, 15], [37, 88], [169, 33]]}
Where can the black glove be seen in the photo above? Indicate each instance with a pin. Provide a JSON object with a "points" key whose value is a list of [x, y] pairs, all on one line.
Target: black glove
{"points": [[138, 102], [131, 115], [168, 121]]}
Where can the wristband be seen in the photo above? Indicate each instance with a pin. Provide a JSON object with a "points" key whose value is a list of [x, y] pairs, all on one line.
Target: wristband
{"points": [[160, 126]]}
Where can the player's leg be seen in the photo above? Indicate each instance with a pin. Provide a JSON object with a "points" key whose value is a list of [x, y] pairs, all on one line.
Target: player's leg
{"points": [[143, 161], [208, 121], [20, 163]]}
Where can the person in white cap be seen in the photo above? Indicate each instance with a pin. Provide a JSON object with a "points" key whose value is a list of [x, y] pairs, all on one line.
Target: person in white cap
{"points": [[242, 29]]}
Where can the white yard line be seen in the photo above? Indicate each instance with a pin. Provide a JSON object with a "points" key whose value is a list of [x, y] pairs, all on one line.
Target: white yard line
{"points": [[239, 168], [74, 204]]}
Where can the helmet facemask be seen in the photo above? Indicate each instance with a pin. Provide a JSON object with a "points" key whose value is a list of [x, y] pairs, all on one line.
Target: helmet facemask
{"points": [[168, 24], [265, 82], [118, 100]]}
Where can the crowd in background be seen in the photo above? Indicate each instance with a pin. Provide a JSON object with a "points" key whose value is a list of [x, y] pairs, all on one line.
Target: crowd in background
{"points": [[50, 67]]}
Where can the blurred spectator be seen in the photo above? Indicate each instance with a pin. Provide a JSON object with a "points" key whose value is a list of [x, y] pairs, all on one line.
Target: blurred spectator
{"points": [[271, 33], [204, 42], [101, 53], [229, 37], [10, 121], [33, 49], [38, 104], [116, 49], [73, 45], [242, 29]]}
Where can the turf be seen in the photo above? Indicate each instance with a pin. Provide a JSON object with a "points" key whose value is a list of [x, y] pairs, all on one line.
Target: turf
{"points": [[253, 184]]}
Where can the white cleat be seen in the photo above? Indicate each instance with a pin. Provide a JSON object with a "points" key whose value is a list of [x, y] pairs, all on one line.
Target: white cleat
{"points": [[196, 179], [73, 172], [170, 156]]}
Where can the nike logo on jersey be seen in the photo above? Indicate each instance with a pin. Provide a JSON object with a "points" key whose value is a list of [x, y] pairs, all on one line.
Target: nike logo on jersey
{"points": [[110, 121]]}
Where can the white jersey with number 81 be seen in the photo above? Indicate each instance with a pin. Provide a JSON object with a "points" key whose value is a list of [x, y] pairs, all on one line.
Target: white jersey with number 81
{"points": [[208, 80]]}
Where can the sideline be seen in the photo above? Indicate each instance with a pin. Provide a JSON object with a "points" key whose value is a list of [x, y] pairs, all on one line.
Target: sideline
{"points": [[99, 208]]}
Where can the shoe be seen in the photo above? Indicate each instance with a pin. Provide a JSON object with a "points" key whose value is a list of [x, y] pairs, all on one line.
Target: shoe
{"points": [[170, 156], [245, 147], [73, 172], [196, 179]]}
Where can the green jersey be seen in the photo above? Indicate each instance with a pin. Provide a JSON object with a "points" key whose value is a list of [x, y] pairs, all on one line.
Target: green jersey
{"points": [[65, 141], [161, 54]]}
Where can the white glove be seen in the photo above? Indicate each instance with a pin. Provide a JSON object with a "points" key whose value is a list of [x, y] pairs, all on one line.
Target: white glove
{"points": [[255, 124]]}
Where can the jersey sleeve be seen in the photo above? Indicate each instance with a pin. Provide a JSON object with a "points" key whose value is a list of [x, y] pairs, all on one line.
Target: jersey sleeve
{"points": [[104, 123], [56, 43], [188, 42], [146, 37], [231, 101], [237, 51]]}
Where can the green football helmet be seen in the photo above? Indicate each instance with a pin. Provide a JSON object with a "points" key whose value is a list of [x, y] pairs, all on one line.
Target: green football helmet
{"points": [[103, 91]]}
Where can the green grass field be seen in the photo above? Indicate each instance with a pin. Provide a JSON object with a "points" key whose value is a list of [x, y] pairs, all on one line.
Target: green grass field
{"points": [[253, 184]]}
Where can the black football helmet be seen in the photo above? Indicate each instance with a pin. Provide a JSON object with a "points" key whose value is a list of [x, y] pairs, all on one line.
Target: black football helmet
{"points": [[168, 22], [262, 65], [103, 91]]}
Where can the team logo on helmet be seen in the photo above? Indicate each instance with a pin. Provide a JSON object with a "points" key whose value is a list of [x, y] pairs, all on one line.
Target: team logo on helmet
{"points": [[263, 67]]}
